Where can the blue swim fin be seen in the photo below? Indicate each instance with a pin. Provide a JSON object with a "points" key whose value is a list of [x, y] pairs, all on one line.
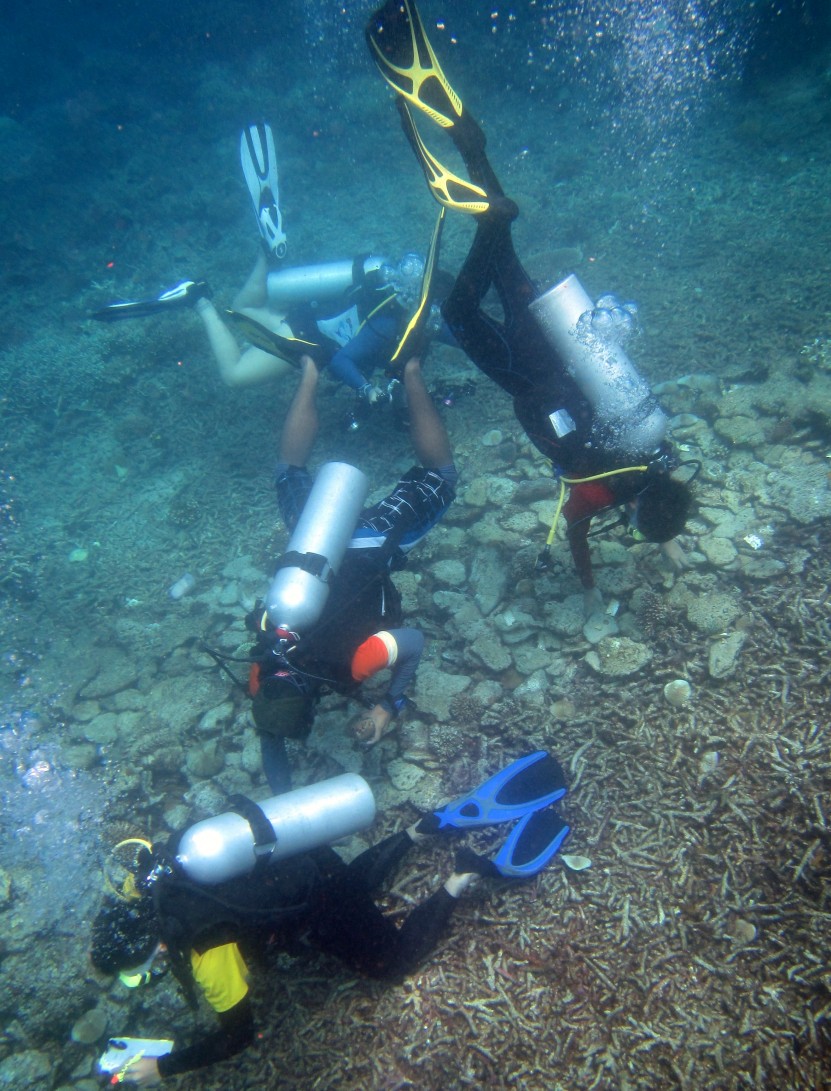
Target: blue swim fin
{"points": [[527, 784], [530, 845]]}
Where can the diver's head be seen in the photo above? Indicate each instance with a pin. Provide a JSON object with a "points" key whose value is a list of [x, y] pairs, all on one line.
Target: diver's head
{"points": [[125, 939], [405, 278], [661, 509]]}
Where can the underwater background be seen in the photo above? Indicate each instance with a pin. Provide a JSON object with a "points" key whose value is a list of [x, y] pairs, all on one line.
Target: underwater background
{"points": [[675, 153]]}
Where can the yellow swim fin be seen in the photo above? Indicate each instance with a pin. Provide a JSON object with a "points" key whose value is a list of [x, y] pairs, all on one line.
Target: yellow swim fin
{"points": [[448, 188], [410, 343], [286, 348], [405, 58]]}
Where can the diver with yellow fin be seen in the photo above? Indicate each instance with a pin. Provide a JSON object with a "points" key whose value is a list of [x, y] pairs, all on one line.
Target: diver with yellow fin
{"points": [[354, 317], [560, 356]]}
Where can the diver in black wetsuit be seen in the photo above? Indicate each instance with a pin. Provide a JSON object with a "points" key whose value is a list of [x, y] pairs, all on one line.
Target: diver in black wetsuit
{"points": [[556, 414], [314, 899]]}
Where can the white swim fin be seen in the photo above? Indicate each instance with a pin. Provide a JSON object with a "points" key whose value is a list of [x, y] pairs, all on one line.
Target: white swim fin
{"points": [[259, 165]]}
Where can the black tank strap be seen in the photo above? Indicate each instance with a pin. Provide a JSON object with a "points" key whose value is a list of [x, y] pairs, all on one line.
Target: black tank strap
{"points": [[265, 839], [313, 563]]}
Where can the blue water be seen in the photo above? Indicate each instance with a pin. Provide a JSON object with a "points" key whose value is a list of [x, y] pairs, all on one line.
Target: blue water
{"points": [[679, 151]]}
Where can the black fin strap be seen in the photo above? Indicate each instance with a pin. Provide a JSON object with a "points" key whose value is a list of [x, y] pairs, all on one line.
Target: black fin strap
{"points": [[265, 839], [313, 563], [359, 270]]}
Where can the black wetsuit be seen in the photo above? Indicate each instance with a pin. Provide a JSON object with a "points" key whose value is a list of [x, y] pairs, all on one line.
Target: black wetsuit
{"points": [[314, 900]]}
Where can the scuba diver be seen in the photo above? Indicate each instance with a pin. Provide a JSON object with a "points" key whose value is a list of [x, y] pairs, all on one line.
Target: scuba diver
{"points": [[208, 926], [575, 392], [332, 616], [349, 314]]}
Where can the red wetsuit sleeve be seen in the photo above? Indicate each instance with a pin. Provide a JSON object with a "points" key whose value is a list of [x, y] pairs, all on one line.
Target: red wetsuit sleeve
{"points": [[584, 501]]}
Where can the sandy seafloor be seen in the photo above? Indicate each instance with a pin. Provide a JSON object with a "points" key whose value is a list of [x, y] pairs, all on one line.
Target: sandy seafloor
{"points": [[693, 953]]}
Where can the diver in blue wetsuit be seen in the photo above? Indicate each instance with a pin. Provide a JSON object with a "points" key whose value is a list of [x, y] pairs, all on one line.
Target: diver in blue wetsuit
{"points": [[350, 315]]}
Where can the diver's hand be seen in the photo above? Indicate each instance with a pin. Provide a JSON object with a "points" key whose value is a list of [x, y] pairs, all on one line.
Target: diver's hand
{"points": [[371, 726], [142, 1073], [371, 394], [592, 603], [675, 555]]}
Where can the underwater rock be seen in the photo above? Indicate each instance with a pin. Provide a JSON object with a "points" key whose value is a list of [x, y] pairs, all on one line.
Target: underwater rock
{"points": [[183, 586], [449, 601], [176, 817], [488, 577], [403, 775], [491, 652], [488, 692], [80, 756], [599, 626], [724, 655], [514, 625], [103, 730], [803, 490], [708, 763], [528, 658], [678, 692], [475, 493], [758, 567], [435, 689], [574, 862], [741, 931], [229, 595], [712, 611], [206, 761], [533, 690], [522, 522], [618, 657], [84, 711], [564, 708], [566, 618], [217, 719], [720, 552], [251, 758], [5, 888], [492, 438], [118, 672], [740, 431], [90, 1027], [450, 572], [28, 1070], [206, 799], [447, 741]]}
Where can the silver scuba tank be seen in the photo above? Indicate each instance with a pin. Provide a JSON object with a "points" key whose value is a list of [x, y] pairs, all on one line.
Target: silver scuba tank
{"points": [[305, 283], [627, 416], [223, 847], [299, 590]]}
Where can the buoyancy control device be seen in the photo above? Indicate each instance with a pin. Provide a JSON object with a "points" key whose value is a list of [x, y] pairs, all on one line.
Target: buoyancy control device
{"points": [[316, 548], [627, 417]]}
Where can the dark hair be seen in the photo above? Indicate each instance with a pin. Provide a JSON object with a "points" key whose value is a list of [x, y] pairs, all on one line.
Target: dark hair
{"points": [[662, 509], [280, 708], [124, 935]]}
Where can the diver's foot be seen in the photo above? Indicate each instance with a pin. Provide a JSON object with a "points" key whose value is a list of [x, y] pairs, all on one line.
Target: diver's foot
{"points": [[468, 862], [500, 210]]}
